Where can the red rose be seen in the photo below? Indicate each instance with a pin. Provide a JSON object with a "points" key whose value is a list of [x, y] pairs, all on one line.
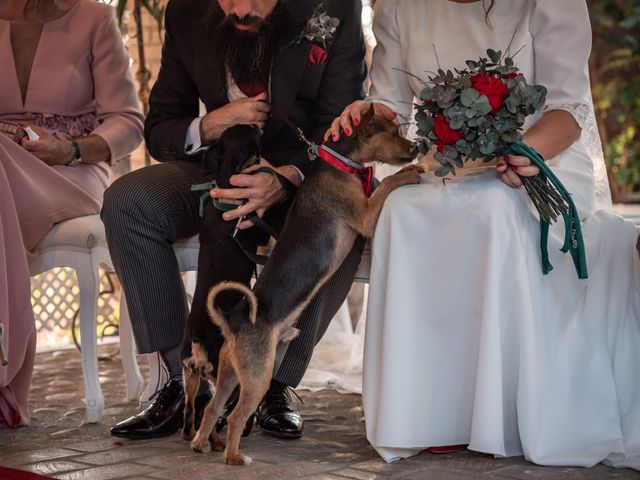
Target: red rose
{"points": [[317, 55], [491, 87], [446, 135]]}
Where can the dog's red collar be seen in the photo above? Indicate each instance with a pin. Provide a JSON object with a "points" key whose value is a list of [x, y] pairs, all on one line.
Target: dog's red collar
{"points": [[336, 160]]}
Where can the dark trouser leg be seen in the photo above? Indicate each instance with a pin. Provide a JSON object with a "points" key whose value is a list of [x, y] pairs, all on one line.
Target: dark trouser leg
{"points": [[144, 212], [315, 319]]}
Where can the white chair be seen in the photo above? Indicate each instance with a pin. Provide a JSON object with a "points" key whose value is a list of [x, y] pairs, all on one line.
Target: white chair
{"points": [[187, 255], [80, 243]]}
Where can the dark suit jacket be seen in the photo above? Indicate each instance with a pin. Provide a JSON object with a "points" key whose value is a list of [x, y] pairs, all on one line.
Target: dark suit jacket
{"points": [[310, 95]]}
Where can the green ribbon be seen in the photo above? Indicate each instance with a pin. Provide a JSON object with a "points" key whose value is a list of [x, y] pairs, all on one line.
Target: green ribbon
{"points": [[225, 207], [573, 241]]}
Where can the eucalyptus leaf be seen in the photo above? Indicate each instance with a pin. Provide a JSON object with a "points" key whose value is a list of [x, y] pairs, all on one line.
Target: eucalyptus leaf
{"points": [[482, 105], [510, 136], [426, 94], [486, 146], [463, 146], [468, 96], [449, 153]]}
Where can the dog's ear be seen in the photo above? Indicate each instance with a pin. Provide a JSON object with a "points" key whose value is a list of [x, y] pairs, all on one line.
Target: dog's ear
{"points": [[367, 116], [218, 149], [212, 159], [288, 334]]}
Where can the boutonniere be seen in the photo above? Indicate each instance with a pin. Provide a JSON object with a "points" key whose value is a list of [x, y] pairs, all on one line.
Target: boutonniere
{"points": [[320, 27]]}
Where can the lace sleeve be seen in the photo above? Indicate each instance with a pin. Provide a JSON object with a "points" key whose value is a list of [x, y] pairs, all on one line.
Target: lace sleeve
{"points": [[579, 111]]}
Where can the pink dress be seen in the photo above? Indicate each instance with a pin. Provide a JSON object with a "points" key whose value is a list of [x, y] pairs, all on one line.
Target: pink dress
{"points": [[80, 84]]}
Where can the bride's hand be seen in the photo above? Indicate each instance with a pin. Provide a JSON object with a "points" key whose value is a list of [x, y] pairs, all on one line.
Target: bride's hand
{"points": [[511, 168], [351, 116]]}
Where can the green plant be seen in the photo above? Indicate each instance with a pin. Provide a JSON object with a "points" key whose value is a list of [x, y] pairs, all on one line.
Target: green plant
{"points": [[156, 9], [615, 75]]}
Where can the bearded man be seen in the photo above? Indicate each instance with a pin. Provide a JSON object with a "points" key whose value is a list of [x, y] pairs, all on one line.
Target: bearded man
{"points": [[253, 62]]}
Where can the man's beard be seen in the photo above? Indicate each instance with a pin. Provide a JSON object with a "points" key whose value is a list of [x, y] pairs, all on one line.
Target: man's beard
{"points": [[248, 54]]}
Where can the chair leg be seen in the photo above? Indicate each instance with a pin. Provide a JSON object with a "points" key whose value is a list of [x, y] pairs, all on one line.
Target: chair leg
{"points": [[89, 282], [133, 378], [157, 378]]}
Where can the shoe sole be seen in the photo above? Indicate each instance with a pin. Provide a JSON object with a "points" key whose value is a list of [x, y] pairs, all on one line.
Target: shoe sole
{"points": [[142, 437], [285, 435]]}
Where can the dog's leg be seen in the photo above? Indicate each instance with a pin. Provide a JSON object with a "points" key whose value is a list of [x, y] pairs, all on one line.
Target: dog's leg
{"points": [[191, 382], [251, 392], [225, 383], [408, 175]]}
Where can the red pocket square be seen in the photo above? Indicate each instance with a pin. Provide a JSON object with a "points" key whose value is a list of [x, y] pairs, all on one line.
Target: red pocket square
{"points": [[317, 55]]}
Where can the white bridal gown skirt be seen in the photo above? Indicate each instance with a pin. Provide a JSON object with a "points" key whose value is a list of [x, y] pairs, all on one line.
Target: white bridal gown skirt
{"points": [[467, 342]]}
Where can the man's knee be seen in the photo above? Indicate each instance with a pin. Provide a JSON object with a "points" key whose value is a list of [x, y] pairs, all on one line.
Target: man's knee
{"points": [[116, 199], [134, 198]]}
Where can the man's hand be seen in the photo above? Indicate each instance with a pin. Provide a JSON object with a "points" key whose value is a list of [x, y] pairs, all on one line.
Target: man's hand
{"points": [[352, 115], [48, 148], [261, 190], [511, 168], [247, 111]]}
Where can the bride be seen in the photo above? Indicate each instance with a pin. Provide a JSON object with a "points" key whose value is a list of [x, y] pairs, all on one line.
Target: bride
{"points": [[467, 342]]}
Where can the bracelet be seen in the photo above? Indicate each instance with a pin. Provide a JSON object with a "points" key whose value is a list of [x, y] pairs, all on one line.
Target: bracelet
{"points": [[76, 158]]}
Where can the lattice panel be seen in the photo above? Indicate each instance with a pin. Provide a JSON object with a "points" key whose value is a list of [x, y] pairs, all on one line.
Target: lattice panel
{"points": [[55, 297]]}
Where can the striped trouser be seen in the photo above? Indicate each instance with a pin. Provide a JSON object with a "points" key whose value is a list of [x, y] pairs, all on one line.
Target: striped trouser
{"points": [[146, 211]]}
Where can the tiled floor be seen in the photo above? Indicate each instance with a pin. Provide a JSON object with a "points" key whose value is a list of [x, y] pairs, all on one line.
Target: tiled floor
{"points": [[334, 447]]}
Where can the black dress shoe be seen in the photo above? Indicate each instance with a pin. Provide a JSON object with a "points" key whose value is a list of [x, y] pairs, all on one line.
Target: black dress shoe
{"points": [[277, 415], [228, 408], [161, 418]]}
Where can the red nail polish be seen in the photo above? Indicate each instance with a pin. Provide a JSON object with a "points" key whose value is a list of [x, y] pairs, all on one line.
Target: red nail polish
{"points": [[347, 131], [514, 168], [334, 137], [356, 121], [507, 158]]}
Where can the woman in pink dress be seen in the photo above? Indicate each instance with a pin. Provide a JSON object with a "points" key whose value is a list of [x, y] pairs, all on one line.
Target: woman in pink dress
{"points": [[66, 76]]}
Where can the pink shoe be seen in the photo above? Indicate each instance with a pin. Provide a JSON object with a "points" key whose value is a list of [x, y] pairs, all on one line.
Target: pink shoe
{"points": [[447, 448]]}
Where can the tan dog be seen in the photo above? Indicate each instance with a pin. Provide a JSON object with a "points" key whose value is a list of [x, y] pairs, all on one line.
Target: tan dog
{"points": [[330, 210]]}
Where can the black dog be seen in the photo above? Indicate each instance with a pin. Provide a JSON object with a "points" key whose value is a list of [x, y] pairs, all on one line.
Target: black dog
{"points": [[237, 149]]}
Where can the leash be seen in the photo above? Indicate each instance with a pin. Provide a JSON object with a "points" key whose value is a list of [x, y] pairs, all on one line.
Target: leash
{"points": [[335, 159], [253, 217]]}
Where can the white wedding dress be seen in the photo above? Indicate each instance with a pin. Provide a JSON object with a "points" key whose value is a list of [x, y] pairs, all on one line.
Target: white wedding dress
{"points": [[467, 342]]}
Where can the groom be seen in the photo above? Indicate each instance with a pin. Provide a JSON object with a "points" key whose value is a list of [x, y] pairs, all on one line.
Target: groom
{"points": [[249, 62]]}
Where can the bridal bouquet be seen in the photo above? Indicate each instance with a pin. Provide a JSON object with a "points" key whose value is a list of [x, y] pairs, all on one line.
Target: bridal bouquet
{"points": [[478, 113]]}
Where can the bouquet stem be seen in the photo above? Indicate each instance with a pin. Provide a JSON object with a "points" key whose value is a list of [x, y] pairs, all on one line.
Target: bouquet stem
{"points": [[545, 198]]}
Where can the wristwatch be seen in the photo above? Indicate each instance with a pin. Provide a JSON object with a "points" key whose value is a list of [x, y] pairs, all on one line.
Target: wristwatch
{"points": [[76, 159]]}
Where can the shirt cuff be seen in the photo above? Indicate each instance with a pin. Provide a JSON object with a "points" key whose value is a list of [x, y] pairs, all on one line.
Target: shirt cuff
{"points": [[299, 171], [193, 142]]}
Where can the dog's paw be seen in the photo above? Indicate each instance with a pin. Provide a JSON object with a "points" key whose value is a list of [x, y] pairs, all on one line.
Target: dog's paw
{"points": [[237, 459], [414, 166], [187, 434], [408, 176], [200, 444], [217, 444]]}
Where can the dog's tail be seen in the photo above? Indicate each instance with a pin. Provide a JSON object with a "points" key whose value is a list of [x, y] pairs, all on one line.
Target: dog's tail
{"points": [[216, 315]]}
